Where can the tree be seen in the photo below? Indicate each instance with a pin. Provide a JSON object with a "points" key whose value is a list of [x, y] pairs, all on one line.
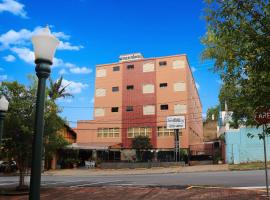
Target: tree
{"points": [[18, 128], [141, 143], [19, 124], [57, 90], [212, 111], [237, 38]]}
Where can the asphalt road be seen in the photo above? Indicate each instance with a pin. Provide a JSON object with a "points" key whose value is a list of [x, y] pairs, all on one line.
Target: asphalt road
{"points": [[224, 179]]}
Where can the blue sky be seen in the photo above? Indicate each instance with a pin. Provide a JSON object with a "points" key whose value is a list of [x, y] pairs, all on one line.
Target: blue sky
{"points": [[96, 32]]}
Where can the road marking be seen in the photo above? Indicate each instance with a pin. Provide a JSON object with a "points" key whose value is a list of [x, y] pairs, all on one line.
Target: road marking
{"points": [[96, 183], [8, 183], [44, 184]]}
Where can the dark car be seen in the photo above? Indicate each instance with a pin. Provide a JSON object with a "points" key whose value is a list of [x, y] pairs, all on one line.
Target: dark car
{"points": [[8, 166]]}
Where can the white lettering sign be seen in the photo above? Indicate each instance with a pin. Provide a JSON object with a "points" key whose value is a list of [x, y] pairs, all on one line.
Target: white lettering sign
{"points": [[129, 57], [176, 122]]}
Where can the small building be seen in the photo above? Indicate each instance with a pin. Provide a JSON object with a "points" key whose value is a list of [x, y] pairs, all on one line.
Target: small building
{"points": [[240, 148]]}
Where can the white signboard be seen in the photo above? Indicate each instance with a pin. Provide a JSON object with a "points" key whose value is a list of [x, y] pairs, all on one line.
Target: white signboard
{"points": [[130, 57], [176, 122]]}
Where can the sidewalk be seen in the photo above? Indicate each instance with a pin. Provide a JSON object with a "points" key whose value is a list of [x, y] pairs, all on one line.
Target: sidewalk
{"points": [[96, 172], [141, 193]]}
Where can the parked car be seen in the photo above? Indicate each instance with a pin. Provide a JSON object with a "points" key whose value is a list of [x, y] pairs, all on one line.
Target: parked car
{"points": [[8, 166]]}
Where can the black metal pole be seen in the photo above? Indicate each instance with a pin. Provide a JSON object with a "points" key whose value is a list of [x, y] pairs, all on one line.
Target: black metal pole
{"points": [[265, 161], [2, 117], [176, 140], [42, 71]]}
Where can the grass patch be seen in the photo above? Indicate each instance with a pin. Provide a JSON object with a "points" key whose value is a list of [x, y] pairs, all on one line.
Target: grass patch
{"points": [[248, 166]]}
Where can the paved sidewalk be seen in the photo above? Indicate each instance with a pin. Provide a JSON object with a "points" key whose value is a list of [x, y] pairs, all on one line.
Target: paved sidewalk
{"points": [[141, 193], [94, 172]]}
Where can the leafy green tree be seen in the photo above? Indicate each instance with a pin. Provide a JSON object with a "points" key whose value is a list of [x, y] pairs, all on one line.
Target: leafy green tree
{"points": [[237, 39], [212, 111], [18, 128], [19, 124], [57, 90], [141, 143]]}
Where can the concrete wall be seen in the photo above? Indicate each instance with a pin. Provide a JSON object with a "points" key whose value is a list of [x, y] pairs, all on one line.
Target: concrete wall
{"points": [[240, 148]]}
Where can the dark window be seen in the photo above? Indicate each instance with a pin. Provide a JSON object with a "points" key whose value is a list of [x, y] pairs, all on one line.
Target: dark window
{"points": [[130, 87], [115, 89], [129, 108], [114, 109], [162, 63], [164, 107], [116, 68], [162, 85], [130, 67]]}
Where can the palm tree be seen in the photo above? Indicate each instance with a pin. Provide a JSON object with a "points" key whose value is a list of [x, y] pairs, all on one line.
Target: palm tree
{"points": [[56, 90]]}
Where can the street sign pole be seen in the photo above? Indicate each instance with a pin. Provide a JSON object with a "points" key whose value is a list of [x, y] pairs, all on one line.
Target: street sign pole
{"points": [[265, 161], [262, 117]]}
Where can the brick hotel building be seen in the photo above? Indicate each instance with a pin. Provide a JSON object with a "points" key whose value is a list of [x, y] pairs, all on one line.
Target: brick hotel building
{"points": [[133, 97]]}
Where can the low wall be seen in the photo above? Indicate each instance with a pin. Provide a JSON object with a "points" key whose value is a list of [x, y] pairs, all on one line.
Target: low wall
{"points": [[241, 149], [123, 165]]}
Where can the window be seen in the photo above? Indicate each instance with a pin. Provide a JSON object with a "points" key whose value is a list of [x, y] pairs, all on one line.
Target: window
{"points": [[179, 87], [180, 109], [108, 132], [164, 107], [129, 67], [178, 64], [162, 63], [148, 110], [115, 89], [163, 85], [101, 73], [164, 132], [130, 87], [148, 88], [100, 92], [114, 109], [116, 68], [148, 67], [139, 131], [99, 112], [129, 108]]}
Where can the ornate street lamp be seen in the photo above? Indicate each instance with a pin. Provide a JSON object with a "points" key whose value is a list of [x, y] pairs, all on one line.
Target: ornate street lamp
{"points": [[3, 109], [45, 45]]}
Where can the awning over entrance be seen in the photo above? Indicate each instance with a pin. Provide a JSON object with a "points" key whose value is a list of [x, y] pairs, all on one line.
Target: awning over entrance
{"points": [[95, 146]]}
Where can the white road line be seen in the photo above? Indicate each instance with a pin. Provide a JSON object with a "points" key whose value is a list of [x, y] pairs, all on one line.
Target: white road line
{"points": [[96, 183], [8, 183], [250, 187], [44, 184]]}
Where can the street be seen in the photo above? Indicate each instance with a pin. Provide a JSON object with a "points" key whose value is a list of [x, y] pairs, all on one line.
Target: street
{"points": [[253, 179]]}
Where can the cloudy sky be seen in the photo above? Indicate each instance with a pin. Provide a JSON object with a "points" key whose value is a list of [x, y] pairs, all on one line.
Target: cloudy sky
{"points": [[95, 32]]}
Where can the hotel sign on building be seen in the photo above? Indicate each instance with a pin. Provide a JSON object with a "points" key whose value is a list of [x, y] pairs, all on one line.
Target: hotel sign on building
{"points": [[130, 57], [176, 122]]}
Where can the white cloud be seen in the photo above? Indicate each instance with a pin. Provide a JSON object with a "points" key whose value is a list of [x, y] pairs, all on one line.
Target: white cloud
{"points": [[23, 38], [9, 58], [3, 77], [193, 69], [68, 46], [62, 71], [13, 7], [61, 35], [15, 38], [197, 85], [25, 54], [80, 70], [73, 87]]}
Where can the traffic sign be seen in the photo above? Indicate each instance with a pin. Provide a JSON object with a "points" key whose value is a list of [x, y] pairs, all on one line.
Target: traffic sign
{"points": [[262, 115]]}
